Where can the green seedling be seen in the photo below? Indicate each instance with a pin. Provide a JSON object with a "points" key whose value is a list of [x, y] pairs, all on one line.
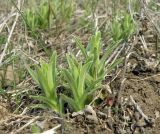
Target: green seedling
{"points": [[31, 20], [93, 52], [66, 10], [45, 76], [38, 18], [122, 28], [128, 26], [49, 13], [75, 79], [44, 15], [116, 30], [85, 77], [89, 7]]}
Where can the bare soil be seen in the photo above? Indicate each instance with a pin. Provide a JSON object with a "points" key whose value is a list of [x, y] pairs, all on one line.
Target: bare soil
{"points": [[145, 91]]}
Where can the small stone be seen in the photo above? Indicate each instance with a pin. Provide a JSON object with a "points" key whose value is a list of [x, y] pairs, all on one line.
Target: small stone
{"points": [[157, 114], [90, 114], [137, 116]]}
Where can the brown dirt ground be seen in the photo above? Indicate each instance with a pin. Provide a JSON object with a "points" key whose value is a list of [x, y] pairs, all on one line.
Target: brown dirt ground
{"points": [[145, 91]]}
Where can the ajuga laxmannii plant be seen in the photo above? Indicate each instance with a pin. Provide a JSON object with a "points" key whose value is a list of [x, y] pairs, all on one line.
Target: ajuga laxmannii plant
{"points": [[122, 28], [75, 81], [93, 53], [84, 77], [45, 76]]}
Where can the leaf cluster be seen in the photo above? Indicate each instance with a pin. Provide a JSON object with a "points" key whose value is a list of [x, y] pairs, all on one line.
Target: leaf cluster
{"points": [[81, 78], [37, 17], [45, 76], [94, 53], [48, 13], [122, 28]]}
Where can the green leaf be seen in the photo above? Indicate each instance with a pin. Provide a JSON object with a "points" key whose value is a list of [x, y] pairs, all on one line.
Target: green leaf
{"points": [[48, 101], [54, 71], [46, 78], [43, 83], [33, 75], [82, 76], [71, 102], [35, 129], [108, 52], [81, 47], [49, 77], [42, 106], [114, 64], [71, 82]]}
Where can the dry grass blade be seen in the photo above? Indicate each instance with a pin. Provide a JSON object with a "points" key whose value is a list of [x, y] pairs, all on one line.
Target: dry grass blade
{"points": [[26, 125], [10, 34]]}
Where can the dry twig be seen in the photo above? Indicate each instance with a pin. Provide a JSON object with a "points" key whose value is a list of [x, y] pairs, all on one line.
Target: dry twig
{"points": [[26, 125], [147, 119]]}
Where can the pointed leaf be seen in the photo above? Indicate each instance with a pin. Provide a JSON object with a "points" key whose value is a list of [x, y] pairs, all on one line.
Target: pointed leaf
{"points": [[81, 47], [71, 102]]}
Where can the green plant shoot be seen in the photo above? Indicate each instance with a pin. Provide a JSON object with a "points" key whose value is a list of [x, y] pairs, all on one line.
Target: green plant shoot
{"points": [[45, 76]]}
